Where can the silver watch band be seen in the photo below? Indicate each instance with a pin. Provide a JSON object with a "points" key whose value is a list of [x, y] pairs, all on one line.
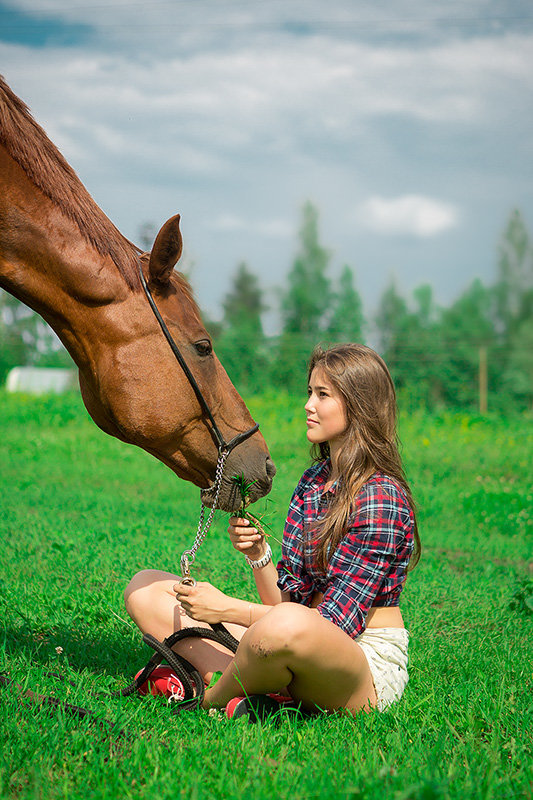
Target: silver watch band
{"points": [[262, 562]]}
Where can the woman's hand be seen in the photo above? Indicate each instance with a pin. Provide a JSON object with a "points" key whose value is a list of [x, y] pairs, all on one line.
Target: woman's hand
{"points": [[203, 602], [246, 539]]}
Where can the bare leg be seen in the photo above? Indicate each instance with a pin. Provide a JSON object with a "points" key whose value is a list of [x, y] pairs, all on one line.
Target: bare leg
{"points": [[293, 646], [152, 605]]}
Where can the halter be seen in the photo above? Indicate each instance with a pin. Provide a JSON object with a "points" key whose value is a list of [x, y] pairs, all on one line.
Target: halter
{"points": [[224, 448]]}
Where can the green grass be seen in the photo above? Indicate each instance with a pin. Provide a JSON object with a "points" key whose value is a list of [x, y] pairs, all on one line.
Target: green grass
{"points": [[80, 513]]}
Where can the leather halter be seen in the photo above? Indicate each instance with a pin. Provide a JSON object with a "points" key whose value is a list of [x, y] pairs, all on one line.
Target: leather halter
{"points": [[222, 445]]}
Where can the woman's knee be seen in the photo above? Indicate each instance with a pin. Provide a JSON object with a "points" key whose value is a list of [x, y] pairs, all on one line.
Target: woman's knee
{"points": [[288, 628], [138, 590]]}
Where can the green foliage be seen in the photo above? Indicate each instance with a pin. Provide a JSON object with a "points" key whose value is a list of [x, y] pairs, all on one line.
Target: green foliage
{"points": [[412, 346], [305, 304], [81, 512], [240, 342], [243, 305], [465, 327], [434, 354], [517, 379], [515, 278], [289, 365], [522, 599], [346, 323], [244, 354]]}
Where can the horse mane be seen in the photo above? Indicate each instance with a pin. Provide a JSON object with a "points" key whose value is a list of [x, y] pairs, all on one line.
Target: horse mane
{"points": [[27, 143]]}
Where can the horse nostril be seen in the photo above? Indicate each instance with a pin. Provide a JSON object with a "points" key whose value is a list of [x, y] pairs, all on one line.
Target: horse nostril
{"points": [[270, 468]]}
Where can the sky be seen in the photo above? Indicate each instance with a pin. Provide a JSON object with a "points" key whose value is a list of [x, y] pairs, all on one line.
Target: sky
{"points": [[407, 123]]}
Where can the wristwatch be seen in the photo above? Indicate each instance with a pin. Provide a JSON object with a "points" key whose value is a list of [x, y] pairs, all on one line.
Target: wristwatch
{"points": [[262, 562]]}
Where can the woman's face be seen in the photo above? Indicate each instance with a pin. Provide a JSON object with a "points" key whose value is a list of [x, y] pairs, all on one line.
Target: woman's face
{"points": [[326, 411]]}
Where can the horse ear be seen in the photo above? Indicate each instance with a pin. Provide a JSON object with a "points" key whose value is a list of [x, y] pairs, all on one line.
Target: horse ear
{"points": [[166, 251]]}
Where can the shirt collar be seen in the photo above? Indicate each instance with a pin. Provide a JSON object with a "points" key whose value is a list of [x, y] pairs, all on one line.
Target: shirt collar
{"points": [[321, 475]]}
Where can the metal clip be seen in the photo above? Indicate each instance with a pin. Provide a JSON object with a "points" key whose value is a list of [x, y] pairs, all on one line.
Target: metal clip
{"points": [[187, 581], [186, 578]]}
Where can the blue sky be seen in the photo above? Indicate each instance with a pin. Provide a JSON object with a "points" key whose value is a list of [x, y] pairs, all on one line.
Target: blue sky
{"points": [[407, 123]]}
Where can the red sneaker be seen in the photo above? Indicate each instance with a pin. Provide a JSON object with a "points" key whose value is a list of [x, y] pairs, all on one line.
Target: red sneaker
{"points": [[163, 681], [232, 705], [261, 707], [257, 707]]}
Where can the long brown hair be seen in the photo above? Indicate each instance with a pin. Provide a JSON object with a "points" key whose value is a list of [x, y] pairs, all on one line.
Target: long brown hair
{"points": [[370, 443]]}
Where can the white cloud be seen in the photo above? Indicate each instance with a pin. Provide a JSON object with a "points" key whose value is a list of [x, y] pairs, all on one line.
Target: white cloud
{"points": [[274, 228], [269, 228], [234, 116], [227, 223], [410, 214], [276, 90]]}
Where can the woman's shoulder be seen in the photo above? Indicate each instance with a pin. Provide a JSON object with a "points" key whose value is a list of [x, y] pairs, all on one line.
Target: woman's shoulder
{"points": [[380, 491], [381, 481], [315, 475]]}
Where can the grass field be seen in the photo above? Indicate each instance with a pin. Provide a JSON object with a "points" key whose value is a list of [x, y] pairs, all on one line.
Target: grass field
{"points": [[81, 512]]}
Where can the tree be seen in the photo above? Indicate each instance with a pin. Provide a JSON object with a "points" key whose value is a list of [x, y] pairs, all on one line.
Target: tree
{"points": [[307, 300], [304, 306], [391, 323], [466, 327], [514, 310], [517, 378], [243, 305], [411, 346], [515, 274], [347, 321], [241, 346]]}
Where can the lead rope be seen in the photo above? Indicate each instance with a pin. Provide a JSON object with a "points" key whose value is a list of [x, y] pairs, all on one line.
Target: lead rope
{"points": [[188, 556], [193, 684]]}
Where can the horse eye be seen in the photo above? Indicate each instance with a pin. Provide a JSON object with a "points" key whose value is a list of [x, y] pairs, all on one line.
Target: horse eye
{"points": [[204, 347]]}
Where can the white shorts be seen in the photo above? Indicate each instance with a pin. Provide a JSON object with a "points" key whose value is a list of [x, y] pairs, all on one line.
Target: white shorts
{"points": [[386, 652]]}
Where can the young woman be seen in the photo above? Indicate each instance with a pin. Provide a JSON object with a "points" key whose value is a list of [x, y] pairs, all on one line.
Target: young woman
{"points": [[328, 630]]}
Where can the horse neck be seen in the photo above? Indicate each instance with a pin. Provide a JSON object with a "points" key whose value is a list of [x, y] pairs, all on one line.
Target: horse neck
{"points": [[47, 264]]}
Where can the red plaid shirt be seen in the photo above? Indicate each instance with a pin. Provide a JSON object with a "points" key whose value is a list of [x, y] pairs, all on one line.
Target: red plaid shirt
{"points": [[367, 568]]}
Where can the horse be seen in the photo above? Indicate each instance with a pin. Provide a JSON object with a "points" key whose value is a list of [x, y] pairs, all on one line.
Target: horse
{"points": [[63, 257]]}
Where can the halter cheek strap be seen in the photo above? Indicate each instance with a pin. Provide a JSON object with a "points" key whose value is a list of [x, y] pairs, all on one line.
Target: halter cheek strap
{"points": [[218, 438]]}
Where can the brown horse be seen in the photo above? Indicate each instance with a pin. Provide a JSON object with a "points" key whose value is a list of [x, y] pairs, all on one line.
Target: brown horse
{"points": [[63, 257]]}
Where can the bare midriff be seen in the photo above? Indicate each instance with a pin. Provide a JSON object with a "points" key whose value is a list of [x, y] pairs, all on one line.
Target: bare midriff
{"points": [[378, 616]]}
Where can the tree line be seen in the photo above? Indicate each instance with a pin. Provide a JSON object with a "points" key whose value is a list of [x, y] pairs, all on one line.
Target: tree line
{"points": [[475, 353]]}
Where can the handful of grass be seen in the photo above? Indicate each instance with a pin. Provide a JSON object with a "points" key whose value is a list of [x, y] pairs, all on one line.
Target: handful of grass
{"points": [[244, 512]]}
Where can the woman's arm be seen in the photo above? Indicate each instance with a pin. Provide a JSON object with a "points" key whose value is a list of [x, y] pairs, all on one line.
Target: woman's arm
{"points": [[266, 581], [205, 603], [250, 542], [373, 553]]}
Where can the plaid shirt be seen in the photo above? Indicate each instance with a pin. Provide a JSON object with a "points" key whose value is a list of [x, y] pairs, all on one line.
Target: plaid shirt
{"points": [[368, 566]]}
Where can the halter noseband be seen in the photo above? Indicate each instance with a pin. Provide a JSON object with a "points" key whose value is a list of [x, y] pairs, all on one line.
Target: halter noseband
{"points": [[222, 445]]}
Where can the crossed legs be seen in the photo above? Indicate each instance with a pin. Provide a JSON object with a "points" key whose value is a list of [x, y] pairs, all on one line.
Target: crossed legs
{"points": [[152, 605], [292, 647]]}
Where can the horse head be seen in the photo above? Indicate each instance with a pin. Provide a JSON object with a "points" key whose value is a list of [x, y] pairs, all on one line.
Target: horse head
{"points": [[142, 395], [63, 257]]}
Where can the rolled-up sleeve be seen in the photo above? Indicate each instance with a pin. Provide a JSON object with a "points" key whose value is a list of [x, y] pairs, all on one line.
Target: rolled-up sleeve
{"points": [[358, 568]]}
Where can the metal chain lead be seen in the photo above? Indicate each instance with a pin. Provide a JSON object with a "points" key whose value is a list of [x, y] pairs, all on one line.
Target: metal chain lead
{"points": [[188, 556]]}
